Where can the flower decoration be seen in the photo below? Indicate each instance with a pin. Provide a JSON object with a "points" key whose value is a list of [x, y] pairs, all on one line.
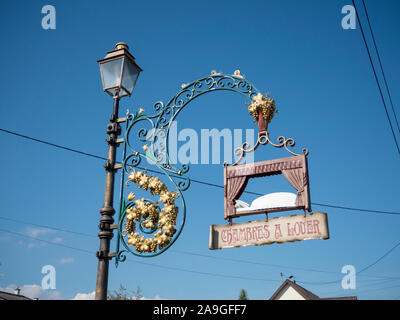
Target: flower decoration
{"points": [[238, 74], [131, 196], [149, 215], [265, 104]]}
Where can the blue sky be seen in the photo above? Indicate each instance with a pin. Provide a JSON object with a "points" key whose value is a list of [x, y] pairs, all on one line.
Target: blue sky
{"points": [[328, 101]]}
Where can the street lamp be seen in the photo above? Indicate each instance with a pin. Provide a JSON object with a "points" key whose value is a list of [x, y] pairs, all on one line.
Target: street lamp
{"points": [[119, 73]]}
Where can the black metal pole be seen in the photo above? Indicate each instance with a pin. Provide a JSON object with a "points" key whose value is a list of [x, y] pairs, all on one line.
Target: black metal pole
{"points": [[107, 211]]}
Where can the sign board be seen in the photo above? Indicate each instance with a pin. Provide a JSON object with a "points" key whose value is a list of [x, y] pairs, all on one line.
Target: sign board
{"points": [[261, 232]]}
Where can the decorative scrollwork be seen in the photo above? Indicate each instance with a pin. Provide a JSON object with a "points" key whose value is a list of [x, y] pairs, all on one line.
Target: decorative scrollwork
{"points": [[121, 256], [263, 139], [142, 217], [149, 216], [213, 82], [133, 160], [151, 144]]}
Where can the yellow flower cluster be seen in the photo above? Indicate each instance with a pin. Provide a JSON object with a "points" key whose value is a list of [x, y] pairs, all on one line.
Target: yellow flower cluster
{"points": [[145, 182], [165, 220], [267, 105]]}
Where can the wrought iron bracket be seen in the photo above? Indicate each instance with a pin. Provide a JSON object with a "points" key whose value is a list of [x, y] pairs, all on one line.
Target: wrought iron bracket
{"points": [[114, 141], [158, 134], [264, 139], [103, 254], [153, 140], [113, 128], [106, 226], [109, 166]]}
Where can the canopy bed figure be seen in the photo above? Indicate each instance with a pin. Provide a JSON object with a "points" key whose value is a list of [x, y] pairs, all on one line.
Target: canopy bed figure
{"points": [[294, 169]]}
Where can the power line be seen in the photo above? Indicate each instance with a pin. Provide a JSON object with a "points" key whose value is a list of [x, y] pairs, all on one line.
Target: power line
{"points": [[145, 263], [46, 241], [204, 273], [193, 180], [376, 78], [208, 256], [176, 251], [363, 286], [378, 289], [254, 263], [363, 269], [354, 209], [379, 259], [52, 144], [48, 227], [162, 266], [381, 67]]}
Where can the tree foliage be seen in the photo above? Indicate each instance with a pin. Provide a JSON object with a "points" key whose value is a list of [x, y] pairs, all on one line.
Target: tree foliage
{"points": [[243, 295], [122, 294]]}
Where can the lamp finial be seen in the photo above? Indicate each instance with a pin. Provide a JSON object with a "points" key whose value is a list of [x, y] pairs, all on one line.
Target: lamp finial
{"points": [[121, 45]]}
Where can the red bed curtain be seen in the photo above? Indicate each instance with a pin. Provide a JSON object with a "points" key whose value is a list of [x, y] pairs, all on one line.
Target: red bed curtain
{"points": [[233, 190], [297, 179]]}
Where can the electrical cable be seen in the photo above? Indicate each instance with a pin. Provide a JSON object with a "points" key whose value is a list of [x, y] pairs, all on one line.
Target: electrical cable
{"points": [[354, 209], [144, 263], [369, 286], [45, 241], [380, 65], [193, 180], [254, 263], [201, 182], [377, 289], [376, 78], [362, 270], [210, 256], [176, 251], [379, 259], [48, 227], [219, 186], [52, 144]]}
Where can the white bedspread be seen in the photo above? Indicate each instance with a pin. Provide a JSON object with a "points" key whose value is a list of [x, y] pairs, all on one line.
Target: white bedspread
{"points": [[269, 201]]}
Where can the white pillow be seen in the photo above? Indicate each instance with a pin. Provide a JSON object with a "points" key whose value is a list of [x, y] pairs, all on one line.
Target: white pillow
{"points": [[241, 204], [274, 200]]}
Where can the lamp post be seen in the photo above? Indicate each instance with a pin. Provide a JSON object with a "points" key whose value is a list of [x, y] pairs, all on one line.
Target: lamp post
{"points": [[119, 73]]}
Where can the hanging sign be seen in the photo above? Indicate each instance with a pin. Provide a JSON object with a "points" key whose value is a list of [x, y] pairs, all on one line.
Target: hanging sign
{"points": [[282, 229]]}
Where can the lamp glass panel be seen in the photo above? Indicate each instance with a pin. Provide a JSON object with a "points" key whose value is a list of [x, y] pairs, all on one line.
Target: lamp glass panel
{"points": [[130, 75], [111, 71]]}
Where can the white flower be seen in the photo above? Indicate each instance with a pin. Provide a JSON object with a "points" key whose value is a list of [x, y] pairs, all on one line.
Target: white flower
{"points": [[258, 99], [238, 74]]}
